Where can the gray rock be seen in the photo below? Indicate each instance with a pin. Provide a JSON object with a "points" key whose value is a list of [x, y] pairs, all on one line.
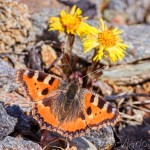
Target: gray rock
{"points": [[7, 123], [8, 85], [84, 144], [128, 74], [11, 143], [102, 138], [138, 39], [133, 10], [14, 26], [40, 22], [7, 76]]}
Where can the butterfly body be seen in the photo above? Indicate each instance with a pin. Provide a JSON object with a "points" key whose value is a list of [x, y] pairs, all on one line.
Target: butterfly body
{"points": [[65, 107], [71, 95]]}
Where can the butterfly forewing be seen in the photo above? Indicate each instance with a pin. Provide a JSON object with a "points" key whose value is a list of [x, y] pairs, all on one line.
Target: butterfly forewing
{"points": [[37, 85]]}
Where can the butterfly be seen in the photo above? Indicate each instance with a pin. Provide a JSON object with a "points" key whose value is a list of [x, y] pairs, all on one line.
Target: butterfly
{"points": [[64, 107]]}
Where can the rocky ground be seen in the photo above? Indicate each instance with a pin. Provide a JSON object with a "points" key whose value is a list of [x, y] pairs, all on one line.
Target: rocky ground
{"points": [[25, 42]]}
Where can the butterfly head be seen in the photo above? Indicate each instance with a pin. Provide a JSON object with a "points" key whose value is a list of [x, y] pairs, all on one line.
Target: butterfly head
{"points": [[76, 78]]}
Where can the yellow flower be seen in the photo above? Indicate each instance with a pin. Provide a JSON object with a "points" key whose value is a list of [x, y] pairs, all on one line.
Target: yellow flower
{"points": [[106, 41], [70, 23]]}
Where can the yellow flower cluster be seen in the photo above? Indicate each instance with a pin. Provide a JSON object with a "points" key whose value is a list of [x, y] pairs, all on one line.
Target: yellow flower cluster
{"points": [[106, 41]]}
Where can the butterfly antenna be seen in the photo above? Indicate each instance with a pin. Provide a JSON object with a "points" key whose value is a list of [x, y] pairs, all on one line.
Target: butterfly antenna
{"points": [[96, 71], [62, 49]]}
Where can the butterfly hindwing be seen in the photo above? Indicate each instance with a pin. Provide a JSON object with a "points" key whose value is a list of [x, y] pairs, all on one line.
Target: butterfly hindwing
{"points": [[47, 120], [99, 112], [43, 114]]}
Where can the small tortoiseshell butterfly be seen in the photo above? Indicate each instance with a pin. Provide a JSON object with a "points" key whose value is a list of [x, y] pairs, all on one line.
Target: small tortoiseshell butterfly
{"points": [[64, 107]]}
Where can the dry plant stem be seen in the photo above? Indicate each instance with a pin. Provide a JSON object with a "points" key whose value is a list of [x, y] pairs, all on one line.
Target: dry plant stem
{"points": [[55, 140], [130, 122], [55, 147], [69, 44], [143, 109], [115, 97], [141, 103], [94, 63], [128, 116], [12, 53]]}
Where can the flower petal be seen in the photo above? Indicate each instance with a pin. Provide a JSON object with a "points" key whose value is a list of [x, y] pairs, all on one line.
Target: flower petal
{"points": [[73, 9]]}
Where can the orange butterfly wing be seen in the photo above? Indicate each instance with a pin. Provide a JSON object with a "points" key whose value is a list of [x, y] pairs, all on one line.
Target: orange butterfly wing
{"points": [[70, 129], [37, 85], [99, 112]]}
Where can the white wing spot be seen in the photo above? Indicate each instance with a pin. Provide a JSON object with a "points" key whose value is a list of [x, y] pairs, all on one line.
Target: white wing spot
{"points": [[105, 106], [113, 110], [95, 103], [47, 79], [36, 75], [26, 72]]}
